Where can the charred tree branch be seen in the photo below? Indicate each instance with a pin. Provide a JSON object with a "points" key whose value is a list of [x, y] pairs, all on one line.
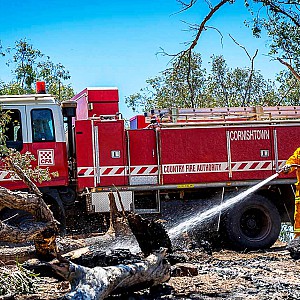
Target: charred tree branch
{"points": [[43, 235], [97, 283], [27, 202], [22, 234]]}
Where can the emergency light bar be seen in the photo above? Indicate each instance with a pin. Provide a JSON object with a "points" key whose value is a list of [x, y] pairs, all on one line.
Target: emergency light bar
{"points": [[40, 87]]}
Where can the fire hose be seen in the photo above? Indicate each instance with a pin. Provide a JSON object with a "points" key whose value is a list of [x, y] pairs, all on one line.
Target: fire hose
{"points": [[286, 169]]}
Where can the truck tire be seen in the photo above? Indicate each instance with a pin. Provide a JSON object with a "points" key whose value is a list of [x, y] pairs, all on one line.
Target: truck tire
{"points": [[253, 224]]}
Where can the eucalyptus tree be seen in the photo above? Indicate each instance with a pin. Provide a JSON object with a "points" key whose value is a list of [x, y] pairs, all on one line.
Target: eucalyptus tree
{"points": [[279, 19], [172, 88], [220, 86], [28, 65], [231, 86]]}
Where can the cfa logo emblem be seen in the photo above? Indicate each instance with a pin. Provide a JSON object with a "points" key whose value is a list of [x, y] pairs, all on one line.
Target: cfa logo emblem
{"points": [[46, 157]]}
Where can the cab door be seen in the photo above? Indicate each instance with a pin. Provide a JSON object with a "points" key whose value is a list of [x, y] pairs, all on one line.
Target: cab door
{"points": [[47, 141], [16, 138]]}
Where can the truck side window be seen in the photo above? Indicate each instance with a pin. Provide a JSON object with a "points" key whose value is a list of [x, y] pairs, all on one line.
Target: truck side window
{"points": [[42, 125], [13, 130]]}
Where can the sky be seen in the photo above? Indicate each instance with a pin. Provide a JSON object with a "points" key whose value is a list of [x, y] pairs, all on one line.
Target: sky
{"points": [[116, 43]]}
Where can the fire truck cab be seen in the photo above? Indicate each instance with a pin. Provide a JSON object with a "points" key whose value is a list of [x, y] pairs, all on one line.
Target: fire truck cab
{"points": [[36, 126]]}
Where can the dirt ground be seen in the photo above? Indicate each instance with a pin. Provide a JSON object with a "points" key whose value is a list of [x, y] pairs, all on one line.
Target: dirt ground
{"points": [[231, 275], [225, 274]]}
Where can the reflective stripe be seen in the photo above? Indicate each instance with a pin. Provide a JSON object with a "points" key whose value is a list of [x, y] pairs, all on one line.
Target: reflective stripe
{"points": [[188, 168], [118, 171], [8, 176]]}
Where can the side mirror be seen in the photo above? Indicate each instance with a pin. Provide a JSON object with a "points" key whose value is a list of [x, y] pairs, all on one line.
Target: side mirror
{"points": [[69, 108]]}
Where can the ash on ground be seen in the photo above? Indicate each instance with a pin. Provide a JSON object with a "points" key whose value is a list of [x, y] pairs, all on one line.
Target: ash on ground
{"points": [[261, 275], [225, 274]]}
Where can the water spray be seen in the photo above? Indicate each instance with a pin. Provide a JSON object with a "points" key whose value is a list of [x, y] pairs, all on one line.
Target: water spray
{"points": [[199, 218]]}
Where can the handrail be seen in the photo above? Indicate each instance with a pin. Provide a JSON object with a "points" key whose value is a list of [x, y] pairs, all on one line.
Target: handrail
{"points": [[259, 113]]}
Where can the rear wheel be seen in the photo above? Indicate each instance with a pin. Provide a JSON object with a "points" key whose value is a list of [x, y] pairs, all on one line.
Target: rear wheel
{"points": [[253, 224]]}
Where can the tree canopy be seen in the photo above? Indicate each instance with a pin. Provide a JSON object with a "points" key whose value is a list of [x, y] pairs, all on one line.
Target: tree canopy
{"points": [[219, 86], [280, 19], [28, 65], [188, 84]]}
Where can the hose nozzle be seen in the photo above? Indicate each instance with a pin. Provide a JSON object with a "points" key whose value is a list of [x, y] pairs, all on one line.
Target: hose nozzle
{"points": [[287, 168]]}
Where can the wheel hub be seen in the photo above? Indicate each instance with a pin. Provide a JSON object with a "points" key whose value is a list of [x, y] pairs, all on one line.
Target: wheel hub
{"points": [[251, 223], [254, 223]]}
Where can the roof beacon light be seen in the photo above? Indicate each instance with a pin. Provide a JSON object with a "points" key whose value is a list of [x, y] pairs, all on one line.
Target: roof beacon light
{"points": [[40, 87]]}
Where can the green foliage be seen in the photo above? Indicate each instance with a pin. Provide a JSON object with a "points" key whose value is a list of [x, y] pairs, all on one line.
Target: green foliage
{"points": [[281, 22], [24, 161], [17, 281], [4, 119], [173, 88], [220, 87], [11, 88], [29, 65], [231, 87], [289, 90], [23, 59]]}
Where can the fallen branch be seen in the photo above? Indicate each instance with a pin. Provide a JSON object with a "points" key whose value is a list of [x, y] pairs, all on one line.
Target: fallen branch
{"points": [[21, 234], [28, 202], [97, 283], [44, 240]]}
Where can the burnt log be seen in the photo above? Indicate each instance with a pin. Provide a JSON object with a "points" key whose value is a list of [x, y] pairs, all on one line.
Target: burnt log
{"points": [[99, 282], [33, 203], [90, 259], [294, 248], [23, 233], [42, 231], [151, 235], [126, 229], [184, 269]]}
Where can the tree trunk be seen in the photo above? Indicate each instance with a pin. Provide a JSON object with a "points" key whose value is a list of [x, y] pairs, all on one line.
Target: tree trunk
{"points": [[21, 234], [43, 232], [44, 240], [97, 283]]}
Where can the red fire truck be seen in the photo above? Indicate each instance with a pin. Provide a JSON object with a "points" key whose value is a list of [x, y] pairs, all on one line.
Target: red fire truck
{"points": [[165, 155]]}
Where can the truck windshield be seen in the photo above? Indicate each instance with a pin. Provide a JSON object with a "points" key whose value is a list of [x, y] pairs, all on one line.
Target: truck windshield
{"points": [[42, 125]]}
